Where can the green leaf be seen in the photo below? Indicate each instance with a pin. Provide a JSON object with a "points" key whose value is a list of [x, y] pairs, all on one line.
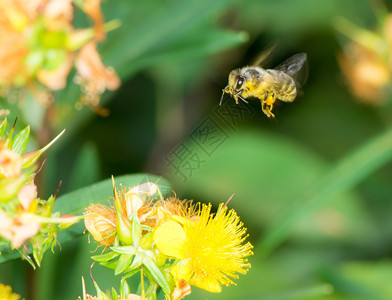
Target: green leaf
{"points": [[157, 274], [30, 158], [123, 262], [124, 250], [86, 169], [124, 289], [20, 141], [105, 257], [100, 294], [136, 230], [114, 294], [109, 264], [136, 263], [131, 272]]}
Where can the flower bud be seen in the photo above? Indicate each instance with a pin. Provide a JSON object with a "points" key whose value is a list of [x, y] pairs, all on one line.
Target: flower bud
{"points": [[124, 229], [100, 221]]}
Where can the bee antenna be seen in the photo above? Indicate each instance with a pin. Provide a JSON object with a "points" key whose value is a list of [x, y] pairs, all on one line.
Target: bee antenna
{"points": [[223, 94], [243, 99]]}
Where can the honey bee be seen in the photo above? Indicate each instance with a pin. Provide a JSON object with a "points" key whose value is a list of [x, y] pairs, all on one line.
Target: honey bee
{"points": [[283, 82]]}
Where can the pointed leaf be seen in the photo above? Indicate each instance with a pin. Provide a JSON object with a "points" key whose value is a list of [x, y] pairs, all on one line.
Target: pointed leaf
{"points": [[136, 263], [123, 262], [136, 230], [20, 141], [109, 264], [157, 274], [100, 294], [3, 126], [124, 289], [114, 294], [30, 158], [105, 257], [131, 273], [130, 250]]}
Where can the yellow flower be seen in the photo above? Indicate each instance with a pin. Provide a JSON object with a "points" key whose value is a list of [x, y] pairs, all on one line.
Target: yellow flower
{"points": [[6, 293], [210, 247]]}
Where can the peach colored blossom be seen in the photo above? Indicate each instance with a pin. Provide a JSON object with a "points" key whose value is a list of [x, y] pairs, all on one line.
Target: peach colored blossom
{"points": [[58, 15], [27, 194], [10, 163], [19, 229], [93, 9], [95, 75], [56, 79]]}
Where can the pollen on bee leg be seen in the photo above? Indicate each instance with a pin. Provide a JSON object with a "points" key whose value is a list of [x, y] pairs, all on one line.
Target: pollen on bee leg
{"points": [[270, 99], [267, 108]]}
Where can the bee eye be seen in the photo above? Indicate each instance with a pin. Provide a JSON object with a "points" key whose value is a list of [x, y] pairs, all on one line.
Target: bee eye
{"points": [[239, 83]]}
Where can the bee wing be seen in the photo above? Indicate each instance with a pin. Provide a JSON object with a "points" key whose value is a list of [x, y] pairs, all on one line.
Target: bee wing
{"points": [[295, 66], [262, 58]]}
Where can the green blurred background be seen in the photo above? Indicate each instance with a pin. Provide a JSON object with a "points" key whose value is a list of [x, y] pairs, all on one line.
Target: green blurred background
{"points": [[311, 185]]}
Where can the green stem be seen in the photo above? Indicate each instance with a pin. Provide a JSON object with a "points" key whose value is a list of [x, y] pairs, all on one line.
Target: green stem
{"points": [[345, 175], [307, 293]]}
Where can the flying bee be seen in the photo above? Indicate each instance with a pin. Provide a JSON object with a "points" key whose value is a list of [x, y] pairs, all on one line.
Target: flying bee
{"points": [[283, 82]]}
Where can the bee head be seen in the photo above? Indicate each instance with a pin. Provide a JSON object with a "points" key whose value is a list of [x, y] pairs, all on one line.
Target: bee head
{"points": [[236, 86], [236, 81]]}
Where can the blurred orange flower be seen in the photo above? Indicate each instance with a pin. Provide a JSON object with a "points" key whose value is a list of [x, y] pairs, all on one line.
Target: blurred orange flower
{"points": [[45, 46], [23, 226], [19, 229], [366, 60], [10, 162], [366, 73], [94, 76]]}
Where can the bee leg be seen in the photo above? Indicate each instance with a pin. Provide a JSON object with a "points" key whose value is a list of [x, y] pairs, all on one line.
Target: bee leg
{"points": [[263, 108], [267, 104]]}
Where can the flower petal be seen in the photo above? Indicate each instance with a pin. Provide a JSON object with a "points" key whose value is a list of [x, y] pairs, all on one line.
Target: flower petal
{"points": [[91, 68], [209, 284], [56, 79], [27, 194], [10, 163], [170, 239], [182, 271], [93, 9]]}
